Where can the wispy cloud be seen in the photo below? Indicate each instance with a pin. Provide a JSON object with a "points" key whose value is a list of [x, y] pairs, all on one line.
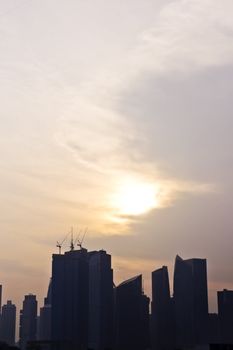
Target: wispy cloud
{"points": [[188, 35], [101, 138]]}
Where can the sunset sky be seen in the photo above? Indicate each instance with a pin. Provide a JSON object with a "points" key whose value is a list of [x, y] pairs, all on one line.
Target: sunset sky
{"points": [[116, 115]]}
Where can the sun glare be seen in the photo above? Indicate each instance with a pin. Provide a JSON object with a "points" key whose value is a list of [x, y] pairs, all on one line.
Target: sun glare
{"points": [[135, 197]]}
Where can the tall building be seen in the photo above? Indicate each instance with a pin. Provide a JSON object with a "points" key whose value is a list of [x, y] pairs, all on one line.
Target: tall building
{"points": [[0, 299], [162, 327], [191, 302], [70, 298], [44, 326], [130, 316], [225, 312], [100, 331], [214, 329], [0, 306], [28, 321], [145, 322], [7, 324]]}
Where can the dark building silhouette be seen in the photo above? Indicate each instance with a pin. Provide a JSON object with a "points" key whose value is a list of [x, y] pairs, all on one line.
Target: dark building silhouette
{"points": [[0, 306], [130, 315], [5, 346], [100, 331], [70, 298], [0, 299], [28, 321], [7, 323], [84, 310], [214, 329], [145, 322], [220, 347], [162, 326], [225, 311], [42, 345], [44, 327], [190, 302]]}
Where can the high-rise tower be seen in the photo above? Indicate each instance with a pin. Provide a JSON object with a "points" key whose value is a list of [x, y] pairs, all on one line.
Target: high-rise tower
{"points": [[162, 325], [28, 321], [0, 299], [70, 297], [7, 325], [44, 332], [130, 315], [100, 329], [225, 312], [191, 302]]}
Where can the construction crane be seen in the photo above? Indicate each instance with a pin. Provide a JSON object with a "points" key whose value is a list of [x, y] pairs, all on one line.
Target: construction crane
{"points": [[60, 244], [72, 240], [77, 238], [80, 241]]}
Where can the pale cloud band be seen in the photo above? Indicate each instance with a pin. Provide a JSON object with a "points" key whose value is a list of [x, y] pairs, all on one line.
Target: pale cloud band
{"points": [[187, 36]]}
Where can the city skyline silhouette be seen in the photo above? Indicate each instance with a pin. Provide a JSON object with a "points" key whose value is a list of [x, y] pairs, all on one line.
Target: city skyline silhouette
{"points": [[84, 309], [116, 136]]}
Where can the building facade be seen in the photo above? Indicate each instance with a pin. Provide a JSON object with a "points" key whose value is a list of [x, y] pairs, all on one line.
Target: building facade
{"points": [[225, 312], [44, 327], [7, 323], [0, 299], [100, 330], [28, 321], [190, 302], [130, 316], [70, 298], [162, 318]]}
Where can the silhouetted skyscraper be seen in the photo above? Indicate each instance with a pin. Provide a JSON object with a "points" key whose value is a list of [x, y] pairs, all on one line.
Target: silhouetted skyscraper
{"points": [[0, 306], [225, 311], [130, 314], [100, 335], [44, 331], [145, 322], [191, 302], [70, 297], [0, 299], [162, 327], [214, 329], [28, 320], [7, 324]]}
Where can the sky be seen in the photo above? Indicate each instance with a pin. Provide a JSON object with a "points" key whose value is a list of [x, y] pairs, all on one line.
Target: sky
{"points": [[116, 116]]}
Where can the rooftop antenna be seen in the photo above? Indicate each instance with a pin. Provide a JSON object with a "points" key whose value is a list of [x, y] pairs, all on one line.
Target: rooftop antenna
{"points": [[80, 242], [72, 240], [60, 244]]}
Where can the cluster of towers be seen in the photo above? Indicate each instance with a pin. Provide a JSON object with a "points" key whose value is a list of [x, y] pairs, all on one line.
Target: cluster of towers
{"points": [[85, 310]]}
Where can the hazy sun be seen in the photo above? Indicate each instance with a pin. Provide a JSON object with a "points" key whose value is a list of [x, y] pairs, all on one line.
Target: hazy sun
{"points": [[135, 197]]}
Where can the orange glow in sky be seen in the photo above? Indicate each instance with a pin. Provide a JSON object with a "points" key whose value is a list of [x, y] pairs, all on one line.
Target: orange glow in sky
{"points": [[135, 197]]}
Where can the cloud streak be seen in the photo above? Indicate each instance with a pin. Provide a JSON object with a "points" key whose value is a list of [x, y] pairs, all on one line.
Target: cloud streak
{"points": [[187, 36]]}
